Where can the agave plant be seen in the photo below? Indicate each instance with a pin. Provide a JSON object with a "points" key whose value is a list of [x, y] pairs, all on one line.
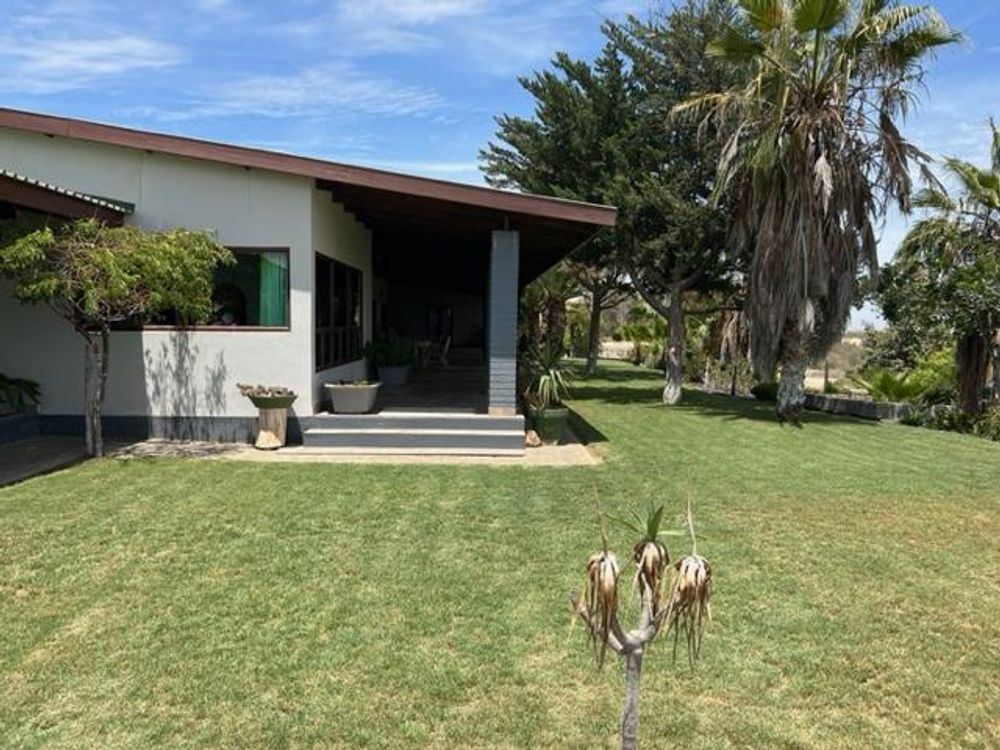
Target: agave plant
{"points": [[686, 611], [548, 378]]}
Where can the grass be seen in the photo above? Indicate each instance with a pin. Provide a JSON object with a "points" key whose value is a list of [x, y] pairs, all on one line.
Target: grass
{"points": [[179, 603]]}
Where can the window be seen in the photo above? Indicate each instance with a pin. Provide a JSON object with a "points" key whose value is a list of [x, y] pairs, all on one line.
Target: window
{"points": [[339, 313], [253, 292]]}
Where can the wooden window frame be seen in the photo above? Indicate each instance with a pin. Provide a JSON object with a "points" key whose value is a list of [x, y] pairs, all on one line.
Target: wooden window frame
{"points": [[350, 337]]}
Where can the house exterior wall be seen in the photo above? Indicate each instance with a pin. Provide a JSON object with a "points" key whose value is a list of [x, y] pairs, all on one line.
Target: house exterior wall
{"points": [[337, 234], [176, 373]]}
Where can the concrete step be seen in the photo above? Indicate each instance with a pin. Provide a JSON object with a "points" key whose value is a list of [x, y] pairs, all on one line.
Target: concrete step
{"points": [[414, 420], [410, 439]]}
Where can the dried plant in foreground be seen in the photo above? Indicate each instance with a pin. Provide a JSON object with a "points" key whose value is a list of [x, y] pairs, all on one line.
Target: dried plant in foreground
{"points": [[686, 610]]}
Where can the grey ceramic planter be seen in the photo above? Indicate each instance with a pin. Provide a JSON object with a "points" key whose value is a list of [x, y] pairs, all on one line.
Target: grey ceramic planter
{"points": [[353, 399]]}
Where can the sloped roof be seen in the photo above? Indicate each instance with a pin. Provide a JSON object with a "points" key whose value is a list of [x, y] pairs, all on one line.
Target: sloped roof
{"points": [[404, 211], [335, 172]]}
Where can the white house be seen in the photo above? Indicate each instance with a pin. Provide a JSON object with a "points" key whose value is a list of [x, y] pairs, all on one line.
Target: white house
{"points": [[327, 254]]}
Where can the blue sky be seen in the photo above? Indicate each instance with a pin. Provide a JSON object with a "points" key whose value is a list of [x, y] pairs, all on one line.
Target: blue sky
{"points": [[411, 85]]}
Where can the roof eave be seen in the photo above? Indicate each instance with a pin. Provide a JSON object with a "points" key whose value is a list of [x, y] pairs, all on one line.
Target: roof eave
{"points": [[473, 195]]}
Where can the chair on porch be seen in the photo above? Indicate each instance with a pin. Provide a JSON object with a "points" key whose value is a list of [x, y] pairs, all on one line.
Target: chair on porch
{"points": [[439, 350]]}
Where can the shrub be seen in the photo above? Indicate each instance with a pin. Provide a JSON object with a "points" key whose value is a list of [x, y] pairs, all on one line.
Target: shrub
{"points": [[988, 424], [883, 384]]}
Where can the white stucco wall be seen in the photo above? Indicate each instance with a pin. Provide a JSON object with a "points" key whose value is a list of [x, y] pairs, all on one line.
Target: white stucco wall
{"points": [[337, 234], [180, 373]]}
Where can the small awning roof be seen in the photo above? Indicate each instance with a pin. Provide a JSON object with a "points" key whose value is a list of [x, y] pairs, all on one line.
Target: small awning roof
{"points": [[393, 205], [43, 197]]}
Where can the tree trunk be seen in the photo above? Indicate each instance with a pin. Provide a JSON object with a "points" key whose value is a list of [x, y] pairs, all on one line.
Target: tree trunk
{"points": [[555, 322], [594, 334], [630, 715], [792, 386], [95, 385], [995, 356], [674, 359], [973, 363]]}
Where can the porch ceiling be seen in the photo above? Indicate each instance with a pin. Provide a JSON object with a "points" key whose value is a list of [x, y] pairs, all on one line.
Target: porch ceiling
{"points": [[456, 232]]}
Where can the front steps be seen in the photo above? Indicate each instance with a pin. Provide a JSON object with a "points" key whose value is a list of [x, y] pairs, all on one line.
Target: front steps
{"points": [[414, 433]]}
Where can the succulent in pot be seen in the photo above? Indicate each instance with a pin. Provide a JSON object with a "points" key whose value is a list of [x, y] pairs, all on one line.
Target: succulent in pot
{"points": [[272, 404], [548, 388]]}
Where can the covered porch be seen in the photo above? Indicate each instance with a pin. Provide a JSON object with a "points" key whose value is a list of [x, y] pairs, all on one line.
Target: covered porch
{"points": [[449, 262]]}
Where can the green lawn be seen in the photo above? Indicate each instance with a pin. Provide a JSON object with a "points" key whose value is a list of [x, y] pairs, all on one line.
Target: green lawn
{"points": [[182, 603]]}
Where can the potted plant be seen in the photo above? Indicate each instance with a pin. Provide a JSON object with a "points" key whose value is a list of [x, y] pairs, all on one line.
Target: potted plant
{"points": [[392, 357], [272, 404], [548, 388], [353, 396]]}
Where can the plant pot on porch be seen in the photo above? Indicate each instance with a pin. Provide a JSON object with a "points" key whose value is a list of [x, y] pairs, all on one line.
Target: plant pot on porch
{"points": [[550, 423], [394, 375], [353, 398]]}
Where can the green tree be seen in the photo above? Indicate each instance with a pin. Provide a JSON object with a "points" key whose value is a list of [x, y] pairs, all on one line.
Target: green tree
{"points": [[573, 147], [95, 277], [812, 156], [947, 273], [677, 250]]}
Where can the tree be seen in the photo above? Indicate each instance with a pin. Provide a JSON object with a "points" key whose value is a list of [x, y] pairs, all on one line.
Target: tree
{"points": [[678, 237], [685, 609], [96, 276], [606, 285], [812, 155], [947, 273], [573, 148]]}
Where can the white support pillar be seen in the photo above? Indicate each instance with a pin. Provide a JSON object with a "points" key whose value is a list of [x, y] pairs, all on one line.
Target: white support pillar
{"points": [[502, 328]]}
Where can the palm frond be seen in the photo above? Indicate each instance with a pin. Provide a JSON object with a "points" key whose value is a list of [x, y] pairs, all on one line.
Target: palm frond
{"points": [[819, 15]]}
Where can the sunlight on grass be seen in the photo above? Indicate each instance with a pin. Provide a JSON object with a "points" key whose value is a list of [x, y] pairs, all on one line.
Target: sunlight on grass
{"points": [[173, 603]]}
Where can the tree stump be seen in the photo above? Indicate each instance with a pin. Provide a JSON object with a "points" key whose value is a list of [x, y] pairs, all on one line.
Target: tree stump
{"points": [[272, 425]]}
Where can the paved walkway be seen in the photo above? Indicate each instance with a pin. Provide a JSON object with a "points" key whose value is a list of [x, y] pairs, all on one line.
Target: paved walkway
{"points": [[38, 455], [571, 454]]}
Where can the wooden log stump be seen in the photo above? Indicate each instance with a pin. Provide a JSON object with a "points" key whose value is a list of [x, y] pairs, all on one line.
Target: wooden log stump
{"points": [[272, 428]]}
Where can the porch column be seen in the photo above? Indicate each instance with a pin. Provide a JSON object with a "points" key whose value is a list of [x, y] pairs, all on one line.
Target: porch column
{"points": [[502, 326]]}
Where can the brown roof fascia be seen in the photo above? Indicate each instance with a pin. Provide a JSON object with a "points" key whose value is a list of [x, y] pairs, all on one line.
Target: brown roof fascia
{"points": [[499, 200]]}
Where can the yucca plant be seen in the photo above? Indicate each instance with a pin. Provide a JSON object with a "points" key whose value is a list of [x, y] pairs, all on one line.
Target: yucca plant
{"points": [[685, 611]]}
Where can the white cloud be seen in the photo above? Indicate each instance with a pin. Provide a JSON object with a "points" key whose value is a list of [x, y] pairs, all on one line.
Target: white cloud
{"points": [[409, 12], [44, 66], [325, 91]]}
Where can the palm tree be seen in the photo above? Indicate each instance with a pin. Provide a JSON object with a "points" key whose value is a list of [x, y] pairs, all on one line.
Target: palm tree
{"points": [[948, 270], [812, 155]]}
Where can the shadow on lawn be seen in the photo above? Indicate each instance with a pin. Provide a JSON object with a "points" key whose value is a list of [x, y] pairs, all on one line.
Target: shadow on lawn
{"points": [[585, 432], [717, 406]]}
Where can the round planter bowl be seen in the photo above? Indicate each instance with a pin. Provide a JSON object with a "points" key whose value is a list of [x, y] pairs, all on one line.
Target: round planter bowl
{"points": [[550, 424], [352, 399], [394, 375], [272, 402]]}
